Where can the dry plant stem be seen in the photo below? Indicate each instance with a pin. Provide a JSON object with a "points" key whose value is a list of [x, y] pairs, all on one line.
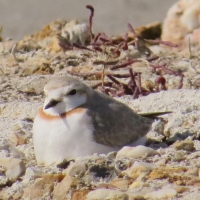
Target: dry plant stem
{"points": [[98, 74], [82, 47], [65, 46], [180, 85], [170, 44], [114, 80], [100, 62], [125, 44], [170, 72], [123, 65], [71, 46], [13, 51], [161, 81], [133, 31], [84, 75], [132, 84], [152, 58], [90, 19], [139, 83], [103, 75], [106, 84], [96, 37]]}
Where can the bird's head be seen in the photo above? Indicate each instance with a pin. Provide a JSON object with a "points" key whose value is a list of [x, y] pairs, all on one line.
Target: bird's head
{"points": [[63, 94]]}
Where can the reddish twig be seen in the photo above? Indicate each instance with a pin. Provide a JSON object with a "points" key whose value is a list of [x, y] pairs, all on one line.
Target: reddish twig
{"points": [[82, 47], [180, 85], [90, 19], [152, 58], [106, 84], [124, 64], [170, 44], [85, 75], [100, 62], [161, 81], [133, 31]]}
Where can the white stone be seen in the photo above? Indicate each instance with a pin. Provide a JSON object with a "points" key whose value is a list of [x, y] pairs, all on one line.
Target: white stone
{"points": [[136, 152], [76, 33], [163, 193], [14, 167], [107, 194]]}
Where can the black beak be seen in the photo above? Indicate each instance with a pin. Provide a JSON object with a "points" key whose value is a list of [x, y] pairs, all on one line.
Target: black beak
{"points": [[52, 103]]}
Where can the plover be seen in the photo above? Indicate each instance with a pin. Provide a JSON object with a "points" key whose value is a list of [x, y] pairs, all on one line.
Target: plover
{"points": [[76, 120]]}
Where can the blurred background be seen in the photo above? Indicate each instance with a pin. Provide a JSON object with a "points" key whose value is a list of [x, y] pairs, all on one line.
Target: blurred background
{"points": [[24, 17]]}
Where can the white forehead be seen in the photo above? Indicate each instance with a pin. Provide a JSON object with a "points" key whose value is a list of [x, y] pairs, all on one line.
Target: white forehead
{"points": [[62, 85]]}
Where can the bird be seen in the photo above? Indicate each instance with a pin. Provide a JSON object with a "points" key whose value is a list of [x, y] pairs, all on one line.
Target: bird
{"points": [[76, 120]]}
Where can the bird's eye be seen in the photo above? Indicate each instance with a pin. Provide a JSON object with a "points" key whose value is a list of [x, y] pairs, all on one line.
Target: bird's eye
{"points": [[72, 92]]}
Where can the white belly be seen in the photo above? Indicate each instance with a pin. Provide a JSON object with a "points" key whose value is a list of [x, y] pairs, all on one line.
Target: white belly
{"points": [[64, 138]]}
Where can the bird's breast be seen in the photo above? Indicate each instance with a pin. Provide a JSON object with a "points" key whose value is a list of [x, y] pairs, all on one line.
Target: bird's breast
{"points": [[44, 116]]}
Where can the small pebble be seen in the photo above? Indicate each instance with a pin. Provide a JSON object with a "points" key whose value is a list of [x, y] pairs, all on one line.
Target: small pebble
{"points": [[163, 193], [107, 194], [136, 152]]}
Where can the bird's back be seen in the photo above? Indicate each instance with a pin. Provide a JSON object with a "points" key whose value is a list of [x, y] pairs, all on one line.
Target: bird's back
{"points": [[115, 124]]}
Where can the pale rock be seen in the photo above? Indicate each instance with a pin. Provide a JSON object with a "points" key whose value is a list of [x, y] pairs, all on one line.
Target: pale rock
{"points": [[14, 167], [163, 193], [139, 170], [136, 152], [186, 145], [102, 194], [9, 150], [62, 189], [76, 33], [34, 65], [183, 20], [161, 162], [13, 192], [18, 138], [80, 195], [180, 188], [3, 180], [121, 183], [42, 187], [138, 184], [76, 169], [106, 186]]}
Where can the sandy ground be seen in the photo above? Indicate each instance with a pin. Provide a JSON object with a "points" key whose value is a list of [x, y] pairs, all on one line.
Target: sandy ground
{"points": [[22, 17], [167, 168]]}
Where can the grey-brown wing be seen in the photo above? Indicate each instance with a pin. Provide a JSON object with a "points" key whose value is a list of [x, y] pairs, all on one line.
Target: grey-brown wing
{"points": [[115, 124]]}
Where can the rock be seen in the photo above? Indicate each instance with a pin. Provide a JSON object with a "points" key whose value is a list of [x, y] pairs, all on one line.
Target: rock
{"points": [[106, 186], [186, 145], [102, 194], [163, 193], [80, 195], [167, 172], [15, 191], [61, 190], [42, 188], [121, 183], [139, 170], [182, 19], [138, 184], [39, 65], [75, 33], [14, 167], [76, 169], [136, 152], [181, 189], [18, 138], [3, 180]]}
